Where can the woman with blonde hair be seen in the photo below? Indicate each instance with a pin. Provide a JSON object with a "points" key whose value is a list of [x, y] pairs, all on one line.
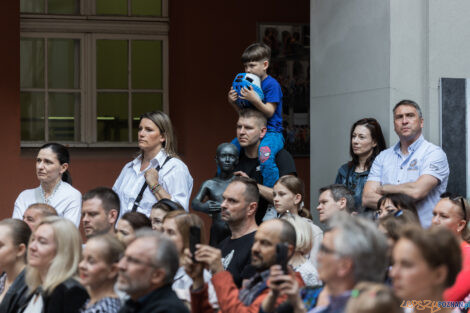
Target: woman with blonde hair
{"points": [[288, 196], [157, 173], [303, 245], [53, 256], [99, 271]]}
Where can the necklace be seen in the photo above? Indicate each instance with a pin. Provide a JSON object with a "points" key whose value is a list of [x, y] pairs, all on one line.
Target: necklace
{"points": [[43, 195]]}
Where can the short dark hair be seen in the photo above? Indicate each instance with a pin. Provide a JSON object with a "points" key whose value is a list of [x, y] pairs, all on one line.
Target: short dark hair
{"points": [[251, 193], [250, 113], [256, 52], [137, 220], [409, 103], [340, 191], [167, 205], [399, 200], [109, 198]]}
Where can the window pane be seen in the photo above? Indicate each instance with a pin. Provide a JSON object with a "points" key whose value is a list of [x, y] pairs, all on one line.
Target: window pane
{"points": [[32, 116], [32, 63], [112, 117], [63, 63], [111, 67], [146, 7], [64, 112], [32, 6], [63, 6], [146, 64], [111, 7], [141, 103]]}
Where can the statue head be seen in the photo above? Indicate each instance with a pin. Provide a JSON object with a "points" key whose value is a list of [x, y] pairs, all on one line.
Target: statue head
{"points": [[226, 157]]}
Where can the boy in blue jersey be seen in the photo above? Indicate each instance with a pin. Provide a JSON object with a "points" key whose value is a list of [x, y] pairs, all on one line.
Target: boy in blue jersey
{"points": [[255, 59]]}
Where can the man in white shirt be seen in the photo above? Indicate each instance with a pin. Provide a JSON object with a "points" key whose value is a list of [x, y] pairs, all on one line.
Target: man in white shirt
{"points": [[413, 166]]}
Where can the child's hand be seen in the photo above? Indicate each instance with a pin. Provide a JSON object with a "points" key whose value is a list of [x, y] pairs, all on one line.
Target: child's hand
{"points": [[232, 96], [249, 94]]}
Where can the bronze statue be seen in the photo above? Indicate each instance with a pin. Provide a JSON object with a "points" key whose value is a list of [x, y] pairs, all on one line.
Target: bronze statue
{"points": [[212, 190]]}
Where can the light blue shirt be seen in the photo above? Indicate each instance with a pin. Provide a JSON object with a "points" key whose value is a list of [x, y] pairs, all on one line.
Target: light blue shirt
{"points": [[392, 167]]}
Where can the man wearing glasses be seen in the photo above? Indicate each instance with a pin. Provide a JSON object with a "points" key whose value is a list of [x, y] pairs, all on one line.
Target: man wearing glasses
{"points": [[146, 273], [413, 166]]}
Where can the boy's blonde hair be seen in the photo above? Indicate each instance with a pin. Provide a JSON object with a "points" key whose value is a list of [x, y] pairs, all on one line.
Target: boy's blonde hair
{"points": [[65, 263], [256, 52]]}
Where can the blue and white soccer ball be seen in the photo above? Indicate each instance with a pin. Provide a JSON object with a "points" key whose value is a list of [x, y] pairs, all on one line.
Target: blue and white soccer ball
{"points": [[247, 80]]}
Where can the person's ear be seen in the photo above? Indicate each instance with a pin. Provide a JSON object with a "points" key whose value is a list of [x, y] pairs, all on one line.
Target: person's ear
{"points": [[440, 275], [342, 203], [264, 130], [112, 216], [346, 267], [113, 271], [252, 207], [297, 199], [461, 225], [265, 64], [63, 167], [157, 278], [21, 250]]}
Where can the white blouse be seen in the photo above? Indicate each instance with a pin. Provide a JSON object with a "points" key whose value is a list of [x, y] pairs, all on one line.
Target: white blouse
{"points": [[66, 200], [174, 178]]}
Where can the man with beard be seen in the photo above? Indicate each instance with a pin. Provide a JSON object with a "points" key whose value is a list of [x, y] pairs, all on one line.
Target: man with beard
{"points": [[263, 255], [100, 210]]}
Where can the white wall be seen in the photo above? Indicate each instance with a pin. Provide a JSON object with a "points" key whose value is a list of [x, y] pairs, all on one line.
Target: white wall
{"points": [[366, 55]]}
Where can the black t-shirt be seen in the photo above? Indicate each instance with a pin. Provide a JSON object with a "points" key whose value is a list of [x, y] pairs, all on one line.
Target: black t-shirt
{"points": [[285, 163], [236, 256]]}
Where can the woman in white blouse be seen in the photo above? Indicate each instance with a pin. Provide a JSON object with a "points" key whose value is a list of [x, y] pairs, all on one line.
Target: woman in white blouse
{"points": [[55, 189], [158, 167]]}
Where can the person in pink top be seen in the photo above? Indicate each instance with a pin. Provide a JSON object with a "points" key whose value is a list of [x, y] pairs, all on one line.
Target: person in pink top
{"points": [[452, 212]]}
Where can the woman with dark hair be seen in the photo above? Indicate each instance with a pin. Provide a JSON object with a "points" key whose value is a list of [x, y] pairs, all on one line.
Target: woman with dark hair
{"points": [[366, 142], [157, 173], [425, 263], [129, 223], [55, 189], [14, 238], [394, 202]]}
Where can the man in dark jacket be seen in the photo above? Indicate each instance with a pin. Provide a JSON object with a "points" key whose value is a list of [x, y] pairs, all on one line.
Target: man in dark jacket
{"points": [[146, 272]]}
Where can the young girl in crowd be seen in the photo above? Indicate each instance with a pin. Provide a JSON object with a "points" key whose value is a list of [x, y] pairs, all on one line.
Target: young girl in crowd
{"points": [[53, 257], [98, 272], [288, 196], [14, 237], [160, 209], [176, 225]]}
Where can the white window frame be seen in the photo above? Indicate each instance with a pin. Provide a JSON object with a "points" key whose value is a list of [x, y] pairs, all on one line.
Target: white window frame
{"points": [[89, 28]]}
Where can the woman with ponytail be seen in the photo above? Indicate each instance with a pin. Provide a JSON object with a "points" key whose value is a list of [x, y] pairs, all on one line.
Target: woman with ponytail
{"points": [[55, 189], [288, 196]]}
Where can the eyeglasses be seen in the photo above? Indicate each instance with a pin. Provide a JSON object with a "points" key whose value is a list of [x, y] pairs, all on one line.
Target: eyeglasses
{"points": [[132, 260], [326, 250], [456, 198]]}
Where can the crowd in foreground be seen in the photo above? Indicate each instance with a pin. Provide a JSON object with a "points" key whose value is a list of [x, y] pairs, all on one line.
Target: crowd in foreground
{"points": [[392, 240]]}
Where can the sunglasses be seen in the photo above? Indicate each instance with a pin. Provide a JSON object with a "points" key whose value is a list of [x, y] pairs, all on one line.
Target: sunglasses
{"points": [[456, 198]]}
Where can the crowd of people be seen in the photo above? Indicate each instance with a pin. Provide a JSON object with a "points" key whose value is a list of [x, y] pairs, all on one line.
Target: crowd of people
{"points": [[391, 238]]}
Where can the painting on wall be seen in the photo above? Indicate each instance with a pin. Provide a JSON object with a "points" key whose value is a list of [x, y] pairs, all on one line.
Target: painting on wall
{"points": [[290, 66]]}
